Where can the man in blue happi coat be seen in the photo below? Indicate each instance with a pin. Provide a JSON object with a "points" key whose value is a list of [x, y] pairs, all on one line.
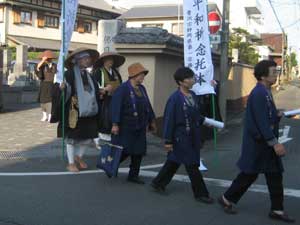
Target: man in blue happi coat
{"points": [[182, 122], [261, 151]]}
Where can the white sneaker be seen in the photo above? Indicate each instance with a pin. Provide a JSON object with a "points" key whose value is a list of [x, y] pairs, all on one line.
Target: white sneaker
{"points": [[44, 118]]}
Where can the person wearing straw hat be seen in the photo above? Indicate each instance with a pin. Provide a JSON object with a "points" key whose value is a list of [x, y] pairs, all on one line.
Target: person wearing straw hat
{"points": [[81, 106], [46, 71], [109, 79], [132, 116], [181, 131]]}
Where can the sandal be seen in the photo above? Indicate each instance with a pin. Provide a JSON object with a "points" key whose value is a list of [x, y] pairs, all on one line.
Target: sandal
{"points": [[228, 208], [72, 168], [81, 163]]}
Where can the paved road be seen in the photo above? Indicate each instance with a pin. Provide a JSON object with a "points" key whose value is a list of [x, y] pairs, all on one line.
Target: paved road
{"points": [[93, 199]]}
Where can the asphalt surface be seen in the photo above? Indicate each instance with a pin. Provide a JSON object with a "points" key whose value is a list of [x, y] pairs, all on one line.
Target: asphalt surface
{"points": [[34, 190]]}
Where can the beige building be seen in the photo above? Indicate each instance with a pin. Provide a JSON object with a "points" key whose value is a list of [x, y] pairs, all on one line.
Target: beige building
{"points": [[168, 17], [36, 23]]}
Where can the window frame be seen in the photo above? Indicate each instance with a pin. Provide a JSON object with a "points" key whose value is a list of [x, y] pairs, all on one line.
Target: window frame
{"points": [[25, 11], [50, 26], [1, 14]]}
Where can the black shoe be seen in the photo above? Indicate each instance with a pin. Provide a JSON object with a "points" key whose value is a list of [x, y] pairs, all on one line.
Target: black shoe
{"points": [[227, 208], [205, 199], [157, 188], [284, 217], [135, 180]]}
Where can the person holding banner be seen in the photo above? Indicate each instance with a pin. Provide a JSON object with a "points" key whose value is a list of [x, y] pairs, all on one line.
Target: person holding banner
{"points": [[132, 116], [81, 106], [261, 151], [109, 79], [181, 131], [46, 71]]}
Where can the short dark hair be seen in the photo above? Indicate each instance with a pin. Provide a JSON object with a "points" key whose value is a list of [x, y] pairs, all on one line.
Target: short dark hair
{"points": [[261, 69], [183, 73]]}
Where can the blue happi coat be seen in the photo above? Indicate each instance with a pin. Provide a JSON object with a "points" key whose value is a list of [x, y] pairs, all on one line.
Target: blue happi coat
{"points": [[186, 144], [132, 128], [261, 124]]}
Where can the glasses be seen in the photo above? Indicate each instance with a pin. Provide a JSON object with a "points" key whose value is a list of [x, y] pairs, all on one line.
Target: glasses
{"points": [[274, 72]]}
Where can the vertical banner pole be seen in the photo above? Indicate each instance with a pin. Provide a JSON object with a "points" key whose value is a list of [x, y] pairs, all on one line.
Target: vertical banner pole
{"points": [[68, 16], [62, 69]]}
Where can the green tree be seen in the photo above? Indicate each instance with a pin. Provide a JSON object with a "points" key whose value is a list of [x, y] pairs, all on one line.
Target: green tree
{"points": [[293, 59], [239, 39]]}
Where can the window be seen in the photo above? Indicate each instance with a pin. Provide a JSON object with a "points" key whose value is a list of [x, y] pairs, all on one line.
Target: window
{"points": [[160, 25], [1, 14], [87, 27], [76, 25], [55, 5], [83, 26], [51, 21], [47, 3], [177, 31], [26, 17], [86, 11]]}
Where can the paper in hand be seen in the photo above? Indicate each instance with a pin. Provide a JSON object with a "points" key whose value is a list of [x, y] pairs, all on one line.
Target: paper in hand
{"points": [[292, 112], [202, 167], [214, 123]]}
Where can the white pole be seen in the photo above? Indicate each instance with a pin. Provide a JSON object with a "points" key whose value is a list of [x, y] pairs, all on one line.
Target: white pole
{"points": [[178, 18]]}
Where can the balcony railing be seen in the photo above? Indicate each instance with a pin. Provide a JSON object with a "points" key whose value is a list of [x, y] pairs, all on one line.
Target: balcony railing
{"points": [[253, 7]]}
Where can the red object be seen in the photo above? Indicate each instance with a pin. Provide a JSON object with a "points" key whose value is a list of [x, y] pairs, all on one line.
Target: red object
{"points": [[214, 22]]}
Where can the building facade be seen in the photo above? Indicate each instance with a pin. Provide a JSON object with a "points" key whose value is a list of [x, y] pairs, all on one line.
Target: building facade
{"points": [[36, 23], [168, 17]]}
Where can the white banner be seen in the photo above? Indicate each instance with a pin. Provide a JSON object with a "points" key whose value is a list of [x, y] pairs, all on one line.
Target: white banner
{"points": [[71, 7], [197, 51]]}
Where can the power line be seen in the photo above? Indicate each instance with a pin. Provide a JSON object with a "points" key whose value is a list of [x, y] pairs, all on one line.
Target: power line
{"points": [[276, 16]]}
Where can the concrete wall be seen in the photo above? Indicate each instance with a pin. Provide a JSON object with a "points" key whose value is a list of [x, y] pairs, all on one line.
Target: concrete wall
{"points": [[159, 82], [240, 83], [165, 67]]}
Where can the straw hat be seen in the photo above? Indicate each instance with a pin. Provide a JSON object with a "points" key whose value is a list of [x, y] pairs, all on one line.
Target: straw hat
{"points": [[135, 69], [49, 54], [118, 59], [69, 60]]}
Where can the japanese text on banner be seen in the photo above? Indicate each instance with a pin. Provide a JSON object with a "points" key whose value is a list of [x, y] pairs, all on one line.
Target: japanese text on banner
{"points": [[197, 51]]}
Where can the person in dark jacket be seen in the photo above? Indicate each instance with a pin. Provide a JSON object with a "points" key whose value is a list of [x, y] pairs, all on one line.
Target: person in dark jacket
{"points": [[82, 99], [108, 79], [46, 71], [181, 131], [261, 151], [132, 115]]}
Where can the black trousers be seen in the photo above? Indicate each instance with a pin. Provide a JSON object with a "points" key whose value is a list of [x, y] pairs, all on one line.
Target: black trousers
{"points": [[135, 164], [167, 172], [243, 181]]}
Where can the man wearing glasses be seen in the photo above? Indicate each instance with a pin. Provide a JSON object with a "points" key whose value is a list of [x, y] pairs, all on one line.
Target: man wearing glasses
{"points": [[261, 151]]}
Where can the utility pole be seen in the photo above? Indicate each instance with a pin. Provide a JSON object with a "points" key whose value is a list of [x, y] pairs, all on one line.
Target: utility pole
{"points": [[284, 46], [224, 71]]}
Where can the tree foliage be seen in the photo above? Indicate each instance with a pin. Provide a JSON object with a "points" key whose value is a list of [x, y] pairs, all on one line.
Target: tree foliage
{"points": [[239, 39]]}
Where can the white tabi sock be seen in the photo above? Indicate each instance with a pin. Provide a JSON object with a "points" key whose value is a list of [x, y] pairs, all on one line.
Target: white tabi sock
{"points": [[44, 118], [70, 153]]}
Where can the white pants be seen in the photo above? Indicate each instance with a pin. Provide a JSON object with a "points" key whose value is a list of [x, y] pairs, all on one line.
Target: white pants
{"points": [[75, 150]]}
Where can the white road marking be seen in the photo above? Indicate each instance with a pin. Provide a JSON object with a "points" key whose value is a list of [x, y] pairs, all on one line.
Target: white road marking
{"points": [[181, 178]]}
